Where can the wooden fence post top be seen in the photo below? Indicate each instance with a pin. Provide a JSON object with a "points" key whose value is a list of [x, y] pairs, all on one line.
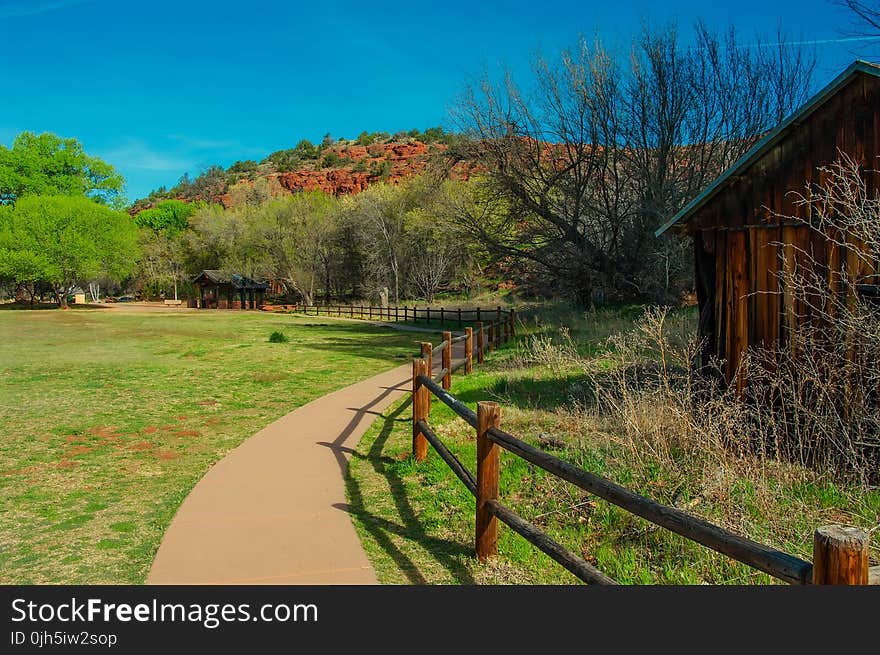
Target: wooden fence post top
{"points": [[488, 406], [840, 556]]}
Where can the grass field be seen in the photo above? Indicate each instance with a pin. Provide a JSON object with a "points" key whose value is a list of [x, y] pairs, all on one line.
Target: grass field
{"points": [[109, 417], [416, 521]]}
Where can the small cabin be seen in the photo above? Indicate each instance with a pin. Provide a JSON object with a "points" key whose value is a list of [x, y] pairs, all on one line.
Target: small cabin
{"points": [[740, 242], [227, 290]]}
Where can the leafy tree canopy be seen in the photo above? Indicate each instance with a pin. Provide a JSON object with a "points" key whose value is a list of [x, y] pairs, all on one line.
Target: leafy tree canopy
{"points": [[63, 240], [246, 166], [46, 164], [170, 216]]}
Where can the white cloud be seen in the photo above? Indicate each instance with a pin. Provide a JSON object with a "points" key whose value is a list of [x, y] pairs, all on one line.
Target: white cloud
{"points": [[844, 39], [135, 154], [216, 147], [31, 8]]}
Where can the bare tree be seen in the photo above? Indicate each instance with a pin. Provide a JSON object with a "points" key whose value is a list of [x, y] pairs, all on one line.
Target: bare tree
{"points": [[867, 15], [582, 169], [430, 269]]}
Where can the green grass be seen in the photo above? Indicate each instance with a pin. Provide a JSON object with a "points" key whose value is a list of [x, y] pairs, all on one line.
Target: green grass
{"points": [[110, 417], [416, 520]]}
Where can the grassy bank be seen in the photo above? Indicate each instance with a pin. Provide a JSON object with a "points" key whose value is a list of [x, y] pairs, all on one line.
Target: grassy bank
{"points": [[568, 389], [110, 417]]}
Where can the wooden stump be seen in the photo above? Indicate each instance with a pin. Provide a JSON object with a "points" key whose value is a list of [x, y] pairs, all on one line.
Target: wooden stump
{"points": [[840, 556]]}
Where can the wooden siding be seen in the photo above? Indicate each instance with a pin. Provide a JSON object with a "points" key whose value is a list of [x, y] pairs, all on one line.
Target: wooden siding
{"points": [[741, 242]]}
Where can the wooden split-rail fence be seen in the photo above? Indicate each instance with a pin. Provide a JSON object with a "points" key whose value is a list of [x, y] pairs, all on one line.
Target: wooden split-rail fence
{"points": [[840, 553], [458, 316]]}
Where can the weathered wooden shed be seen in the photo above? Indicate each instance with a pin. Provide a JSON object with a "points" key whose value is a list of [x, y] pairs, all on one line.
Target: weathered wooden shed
{"points": [[225, 290], [740, 243]]}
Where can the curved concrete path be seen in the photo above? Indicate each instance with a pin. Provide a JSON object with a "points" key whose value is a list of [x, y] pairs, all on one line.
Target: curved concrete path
{"points": [[268, 512], [265, 513]]}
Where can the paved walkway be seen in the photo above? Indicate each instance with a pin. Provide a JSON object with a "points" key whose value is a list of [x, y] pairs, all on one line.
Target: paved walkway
{"points": [[269, 512]]}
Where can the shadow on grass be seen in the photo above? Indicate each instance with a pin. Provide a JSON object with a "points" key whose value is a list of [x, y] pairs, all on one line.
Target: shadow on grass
{"points": [[524, 393], [561, 390], [37, 306], [446, 553], [359, 340]]}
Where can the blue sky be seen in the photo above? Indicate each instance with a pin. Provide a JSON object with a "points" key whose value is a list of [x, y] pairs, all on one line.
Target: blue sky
{"points": [[163, 87]]}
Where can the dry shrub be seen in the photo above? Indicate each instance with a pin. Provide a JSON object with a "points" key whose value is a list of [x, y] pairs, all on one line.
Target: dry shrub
{"points": [[553, 352], [811, 401]]}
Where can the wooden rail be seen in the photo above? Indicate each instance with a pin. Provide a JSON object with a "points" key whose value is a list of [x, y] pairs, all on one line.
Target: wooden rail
{"points": [[840, 554], [504, 319]]}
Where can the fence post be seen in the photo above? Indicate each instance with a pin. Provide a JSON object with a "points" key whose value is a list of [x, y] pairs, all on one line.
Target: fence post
{"points": [[479, 342], [512, 322], [479, 318], [447, 359], [421, 408], [840, 556], [505, 329], [468, 350], [491, 337], [488, 416], [428, 356], [459, 318], [442, 317]]}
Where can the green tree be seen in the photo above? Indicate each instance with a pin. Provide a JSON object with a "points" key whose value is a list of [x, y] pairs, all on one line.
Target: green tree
{"points": [[46, 164], [65, 240], [305, 149], [163, 256], [170, 216], [246, 166], [365, 139]]}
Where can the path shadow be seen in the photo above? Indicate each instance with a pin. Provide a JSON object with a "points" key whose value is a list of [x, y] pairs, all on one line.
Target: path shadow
{"points": [[446, 553]]}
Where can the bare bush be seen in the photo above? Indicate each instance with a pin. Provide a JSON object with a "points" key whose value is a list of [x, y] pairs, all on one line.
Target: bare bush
{"points": [[815, 396]]}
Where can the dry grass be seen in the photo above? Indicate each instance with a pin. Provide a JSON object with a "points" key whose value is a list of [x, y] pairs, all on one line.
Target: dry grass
{"points": [[625, 404]]}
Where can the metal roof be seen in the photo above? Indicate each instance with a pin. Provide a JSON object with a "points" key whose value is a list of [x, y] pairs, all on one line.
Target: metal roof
{"points": [[771, 139], [234, 279]]}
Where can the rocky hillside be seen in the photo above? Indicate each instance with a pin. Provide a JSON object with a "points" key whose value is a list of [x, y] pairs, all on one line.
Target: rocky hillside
{"points": [[345, 167]]}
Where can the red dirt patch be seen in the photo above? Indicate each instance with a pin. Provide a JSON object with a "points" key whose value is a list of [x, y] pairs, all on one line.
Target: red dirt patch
{"points": [[103, 431], [78, 450], [168, 428], [141, 445], [66, 464], [212, 421], [166, 455], [25, 470], [188, 433], [181, 418], [150, 429]]}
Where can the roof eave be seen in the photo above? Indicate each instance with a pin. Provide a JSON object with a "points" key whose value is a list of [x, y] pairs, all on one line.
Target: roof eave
{"points": [[757, 150]]}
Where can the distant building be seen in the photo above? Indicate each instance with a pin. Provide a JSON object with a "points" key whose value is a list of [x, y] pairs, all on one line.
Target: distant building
{"points": [[226, 290], [740, 242]]}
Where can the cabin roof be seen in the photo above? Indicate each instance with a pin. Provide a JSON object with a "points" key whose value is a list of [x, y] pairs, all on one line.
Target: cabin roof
{"points": [[235, 280], [771, 139]]}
